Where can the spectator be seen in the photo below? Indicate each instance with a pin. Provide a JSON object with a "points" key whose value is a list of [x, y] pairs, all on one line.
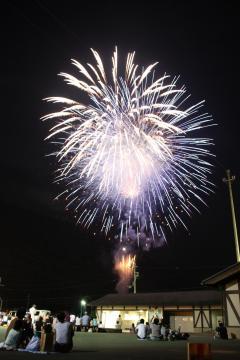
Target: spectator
{"points": [[72, 319], [141, 330], [222, 331], [133, 328], [155, 330], [38, 326], [148, 330], [19, 316], [27, 330], [94, 324], [64, 334], [120, 321], [163, 332], [85, 321], [78, 323], [33, 311], [13, 338]]}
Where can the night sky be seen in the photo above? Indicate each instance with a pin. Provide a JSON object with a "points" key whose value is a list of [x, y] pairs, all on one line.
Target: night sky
{"points": [[45, 258]]}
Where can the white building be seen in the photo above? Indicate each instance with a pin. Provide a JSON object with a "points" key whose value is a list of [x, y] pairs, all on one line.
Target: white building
{"points": [[228, 282], [193, 311]]}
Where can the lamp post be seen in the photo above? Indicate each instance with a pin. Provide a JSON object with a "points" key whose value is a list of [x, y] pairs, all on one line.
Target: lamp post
{"points": [[83, 305]]}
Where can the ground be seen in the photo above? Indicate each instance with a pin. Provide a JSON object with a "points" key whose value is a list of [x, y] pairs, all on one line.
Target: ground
{"points": [[105, 346]]}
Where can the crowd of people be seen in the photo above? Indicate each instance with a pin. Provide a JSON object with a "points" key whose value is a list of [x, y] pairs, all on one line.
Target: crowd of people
{"points": [[157, 330], [26, 330]]}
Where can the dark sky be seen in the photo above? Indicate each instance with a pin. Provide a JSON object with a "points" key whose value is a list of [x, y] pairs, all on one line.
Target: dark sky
{"points": [[43, 253]]}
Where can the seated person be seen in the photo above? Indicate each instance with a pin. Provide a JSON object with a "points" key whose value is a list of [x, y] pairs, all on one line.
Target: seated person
{"points": [[13, 337], [222, 331], [19, 316], [64, 333], [155, 330], [141, 330]]}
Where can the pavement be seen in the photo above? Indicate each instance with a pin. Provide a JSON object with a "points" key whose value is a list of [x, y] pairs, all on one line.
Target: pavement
{"points": [[110, 346]]}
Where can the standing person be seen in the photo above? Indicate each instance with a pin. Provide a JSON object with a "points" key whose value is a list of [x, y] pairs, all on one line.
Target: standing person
{"points": [[64, 334], [72, 319], [78, 323], [85, 321], [133, 328], [120, 321], [141, 330], [94, 324], [33, 311]]}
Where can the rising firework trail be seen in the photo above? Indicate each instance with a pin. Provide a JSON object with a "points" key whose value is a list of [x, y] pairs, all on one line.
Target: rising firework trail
{"points": [[124, 265], [131, 156]]}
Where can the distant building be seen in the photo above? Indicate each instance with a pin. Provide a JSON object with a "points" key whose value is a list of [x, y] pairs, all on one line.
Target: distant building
{"points": [[193, 311], [228, 281]]}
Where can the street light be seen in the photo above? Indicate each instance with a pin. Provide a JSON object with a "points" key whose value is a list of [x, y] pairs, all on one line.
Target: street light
{"points": [[83, 305]]}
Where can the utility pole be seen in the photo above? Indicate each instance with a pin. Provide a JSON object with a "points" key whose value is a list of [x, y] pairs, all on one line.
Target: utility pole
{"points": [[28, 300], [1, 300], [135, 276], [229, 181]]}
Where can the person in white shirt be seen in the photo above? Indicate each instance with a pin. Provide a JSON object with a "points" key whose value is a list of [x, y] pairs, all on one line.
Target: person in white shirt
{"points": [[13, 337], [33, 311], [141, 330], [155, 330], [64, 333], [78, 323], [72, 319]]}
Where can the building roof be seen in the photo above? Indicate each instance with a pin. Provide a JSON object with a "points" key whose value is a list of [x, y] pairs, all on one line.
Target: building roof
{"points": [[224, 275], [195, 297]]}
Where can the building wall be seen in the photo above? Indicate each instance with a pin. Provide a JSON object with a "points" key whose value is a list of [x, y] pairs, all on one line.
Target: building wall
{"points": [[188, 318], [129, 317], [184, 323], [232, 307]]}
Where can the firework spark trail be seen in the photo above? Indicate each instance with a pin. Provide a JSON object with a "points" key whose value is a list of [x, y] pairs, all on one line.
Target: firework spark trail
{"points": [[124, 265], [133, 152]]}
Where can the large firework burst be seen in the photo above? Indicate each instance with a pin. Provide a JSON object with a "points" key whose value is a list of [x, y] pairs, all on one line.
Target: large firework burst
{"points": [[132, 155]]}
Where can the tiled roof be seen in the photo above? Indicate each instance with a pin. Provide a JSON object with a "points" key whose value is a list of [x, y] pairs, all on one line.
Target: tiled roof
{"points": [[224, 275], [196, 297]]}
